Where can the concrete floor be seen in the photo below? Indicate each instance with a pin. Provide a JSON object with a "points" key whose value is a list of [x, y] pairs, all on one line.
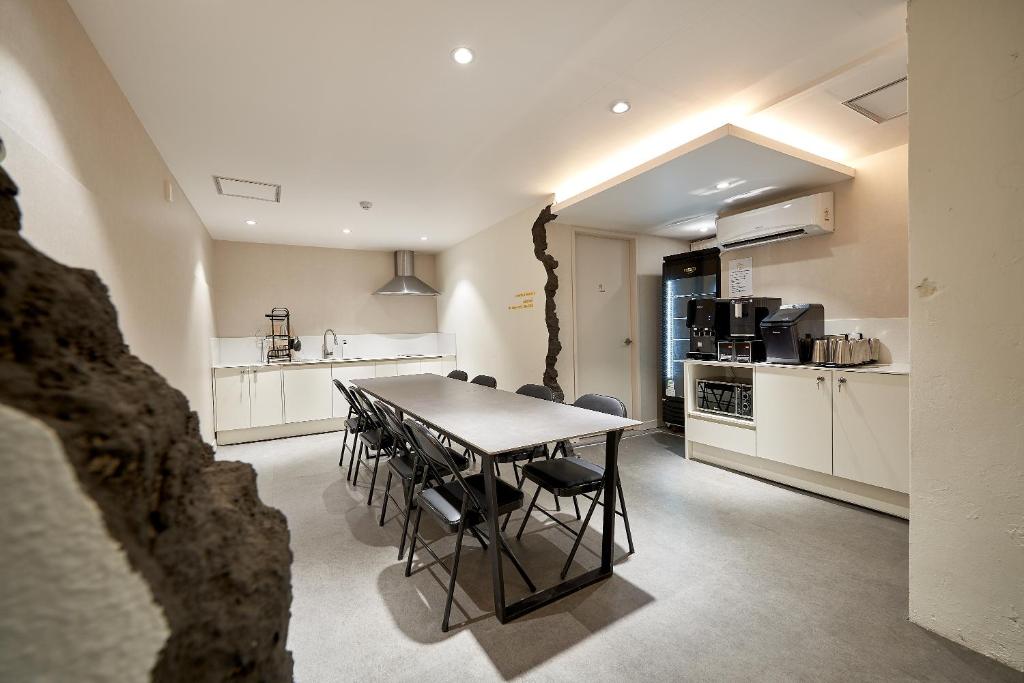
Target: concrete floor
{"points": [[734, 579]]}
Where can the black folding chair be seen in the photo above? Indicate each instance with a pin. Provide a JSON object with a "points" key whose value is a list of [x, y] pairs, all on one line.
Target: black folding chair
{"points": [[485, 381], [574, 476], [407, 466], [459, 375], [457, 506], [373, 438], [354, 423]]}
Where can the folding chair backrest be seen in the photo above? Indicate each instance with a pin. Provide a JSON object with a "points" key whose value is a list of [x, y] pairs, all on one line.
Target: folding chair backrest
{"points": [[437, 456], [536, 391]]}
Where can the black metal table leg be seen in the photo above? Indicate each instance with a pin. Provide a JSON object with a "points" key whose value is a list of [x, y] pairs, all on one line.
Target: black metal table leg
{"points": [[494, 533], [611, 471], [567, 587]]}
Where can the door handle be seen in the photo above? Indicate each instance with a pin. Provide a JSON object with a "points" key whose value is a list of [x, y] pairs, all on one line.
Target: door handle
{"points": [[627, 341], [819, 380], [842, 381]]}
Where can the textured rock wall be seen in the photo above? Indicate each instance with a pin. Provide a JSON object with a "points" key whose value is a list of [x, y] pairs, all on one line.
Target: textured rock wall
{"points": [[216, 559], [540, 250]]}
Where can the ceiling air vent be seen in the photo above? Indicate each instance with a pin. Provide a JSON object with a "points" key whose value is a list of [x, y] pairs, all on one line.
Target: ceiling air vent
{"points": [[247, 189], [882, 104]]}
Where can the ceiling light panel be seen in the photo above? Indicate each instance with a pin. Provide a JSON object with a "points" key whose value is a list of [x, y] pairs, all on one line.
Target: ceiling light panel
{"points": [[247, 189]]}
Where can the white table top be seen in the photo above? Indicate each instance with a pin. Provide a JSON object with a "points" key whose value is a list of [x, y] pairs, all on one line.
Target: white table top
{"points": [[488, 420]]}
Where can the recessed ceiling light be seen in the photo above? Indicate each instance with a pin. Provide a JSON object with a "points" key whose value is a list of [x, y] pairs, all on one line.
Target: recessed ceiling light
{"points": [[346, 230], [787, 206], [462, 55], [725, 184], [423, 239], [250, 222], [620, 107]]}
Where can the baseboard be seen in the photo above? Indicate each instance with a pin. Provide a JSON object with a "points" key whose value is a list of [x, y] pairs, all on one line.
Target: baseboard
{"points": [[233, 436], [873, 497]]}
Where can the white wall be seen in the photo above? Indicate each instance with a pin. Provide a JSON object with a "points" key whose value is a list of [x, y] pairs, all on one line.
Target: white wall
{"points": [[92, 188], [321, 287], [967, 322], [479, 279], [71, 607]]}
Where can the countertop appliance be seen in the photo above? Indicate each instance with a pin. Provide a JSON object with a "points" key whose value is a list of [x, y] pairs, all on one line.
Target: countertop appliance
{"points": [[842, 350], [692, 275], [726, 397], [790, 331], [746, 314], [708, 320]]}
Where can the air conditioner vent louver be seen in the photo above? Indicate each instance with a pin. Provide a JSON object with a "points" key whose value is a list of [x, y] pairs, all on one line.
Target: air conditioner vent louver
{"points": [[247, 189], [883, 103]]}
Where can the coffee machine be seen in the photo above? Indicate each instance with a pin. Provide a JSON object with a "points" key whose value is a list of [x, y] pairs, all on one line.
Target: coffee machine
{"points": [[708, 320], [744, 315]]}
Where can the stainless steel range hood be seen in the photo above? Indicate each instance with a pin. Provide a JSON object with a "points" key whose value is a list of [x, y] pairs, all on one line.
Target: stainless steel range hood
{"points": [[405, 283]]}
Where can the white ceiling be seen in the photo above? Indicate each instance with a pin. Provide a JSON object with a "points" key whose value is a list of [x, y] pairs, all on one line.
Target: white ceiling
{"points": [[346, 101], [670, 196]]}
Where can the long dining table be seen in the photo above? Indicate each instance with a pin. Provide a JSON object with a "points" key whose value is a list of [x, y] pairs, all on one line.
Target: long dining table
{"points": [[492, 421]]}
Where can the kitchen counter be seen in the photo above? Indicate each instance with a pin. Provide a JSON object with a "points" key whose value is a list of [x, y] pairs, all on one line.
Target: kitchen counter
{"points": [[317, 361], [874, 368]]}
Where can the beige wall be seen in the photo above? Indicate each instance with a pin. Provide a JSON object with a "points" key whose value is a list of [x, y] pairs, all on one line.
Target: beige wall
{"points": [[479, 279], [860, 271], [321, 287], [967, 266], [92, 187]]}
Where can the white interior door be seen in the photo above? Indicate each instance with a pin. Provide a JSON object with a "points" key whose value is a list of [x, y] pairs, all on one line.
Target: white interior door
{"points": [[603, 355]]}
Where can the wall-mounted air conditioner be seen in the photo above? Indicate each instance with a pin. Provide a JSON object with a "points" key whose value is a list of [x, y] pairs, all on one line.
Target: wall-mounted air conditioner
{"points": [[788, 220]]}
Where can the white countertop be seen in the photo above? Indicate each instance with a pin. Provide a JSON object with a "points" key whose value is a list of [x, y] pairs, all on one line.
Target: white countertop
{"points": [[317, 361], [875, 368]]}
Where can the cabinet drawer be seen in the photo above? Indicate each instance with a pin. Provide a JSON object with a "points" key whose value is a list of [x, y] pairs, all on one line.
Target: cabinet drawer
{"points": [[727, 437]]}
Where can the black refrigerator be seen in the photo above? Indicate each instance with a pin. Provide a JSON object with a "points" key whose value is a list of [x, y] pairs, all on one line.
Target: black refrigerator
{"points": [[691, 275]]}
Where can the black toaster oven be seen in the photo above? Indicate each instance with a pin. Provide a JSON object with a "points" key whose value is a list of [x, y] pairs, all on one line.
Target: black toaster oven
{"points": [[725, 397]]}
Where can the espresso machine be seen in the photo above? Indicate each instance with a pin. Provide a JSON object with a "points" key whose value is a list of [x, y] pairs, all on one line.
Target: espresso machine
{"points": [[743, 341]]}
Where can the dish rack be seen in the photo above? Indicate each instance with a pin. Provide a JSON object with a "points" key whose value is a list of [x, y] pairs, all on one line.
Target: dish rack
{"points": [[278, 343]]}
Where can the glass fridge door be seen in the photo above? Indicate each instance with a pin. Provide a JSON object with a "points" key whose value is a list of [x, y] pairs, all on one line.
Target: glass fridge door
{"points": [[678, 292]]}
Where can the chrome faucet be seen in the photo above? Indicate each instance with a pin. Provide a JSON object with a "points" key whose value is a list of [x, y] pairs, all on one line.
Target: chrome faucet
{"points": [[326, 353]]}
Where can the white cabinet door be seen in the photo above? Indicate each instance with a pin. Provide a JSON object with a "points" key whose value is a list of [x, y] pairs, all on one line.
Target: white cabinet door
{"points": [[265, 394], [346, 372], [793, 412], [409, 367], [307, 392], [871, 429], [231, 398], [433, 367], [386, 368]]}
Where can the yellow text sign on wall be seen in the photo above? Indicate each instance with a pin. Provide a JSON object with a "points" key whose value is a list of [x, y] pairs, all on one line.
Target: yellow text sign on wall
{"points": [[523, 300]]}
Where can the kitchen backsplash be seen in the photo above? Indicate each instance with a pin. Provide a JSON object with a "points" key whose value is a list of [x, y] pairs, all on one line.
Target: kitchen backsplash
{"points": [[894, 333], [244, 350]]}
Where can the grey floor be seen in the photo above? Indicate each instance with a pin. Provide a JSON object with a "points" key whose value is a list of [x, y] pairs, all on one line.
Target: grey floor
{"points": [[734, 579]]}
